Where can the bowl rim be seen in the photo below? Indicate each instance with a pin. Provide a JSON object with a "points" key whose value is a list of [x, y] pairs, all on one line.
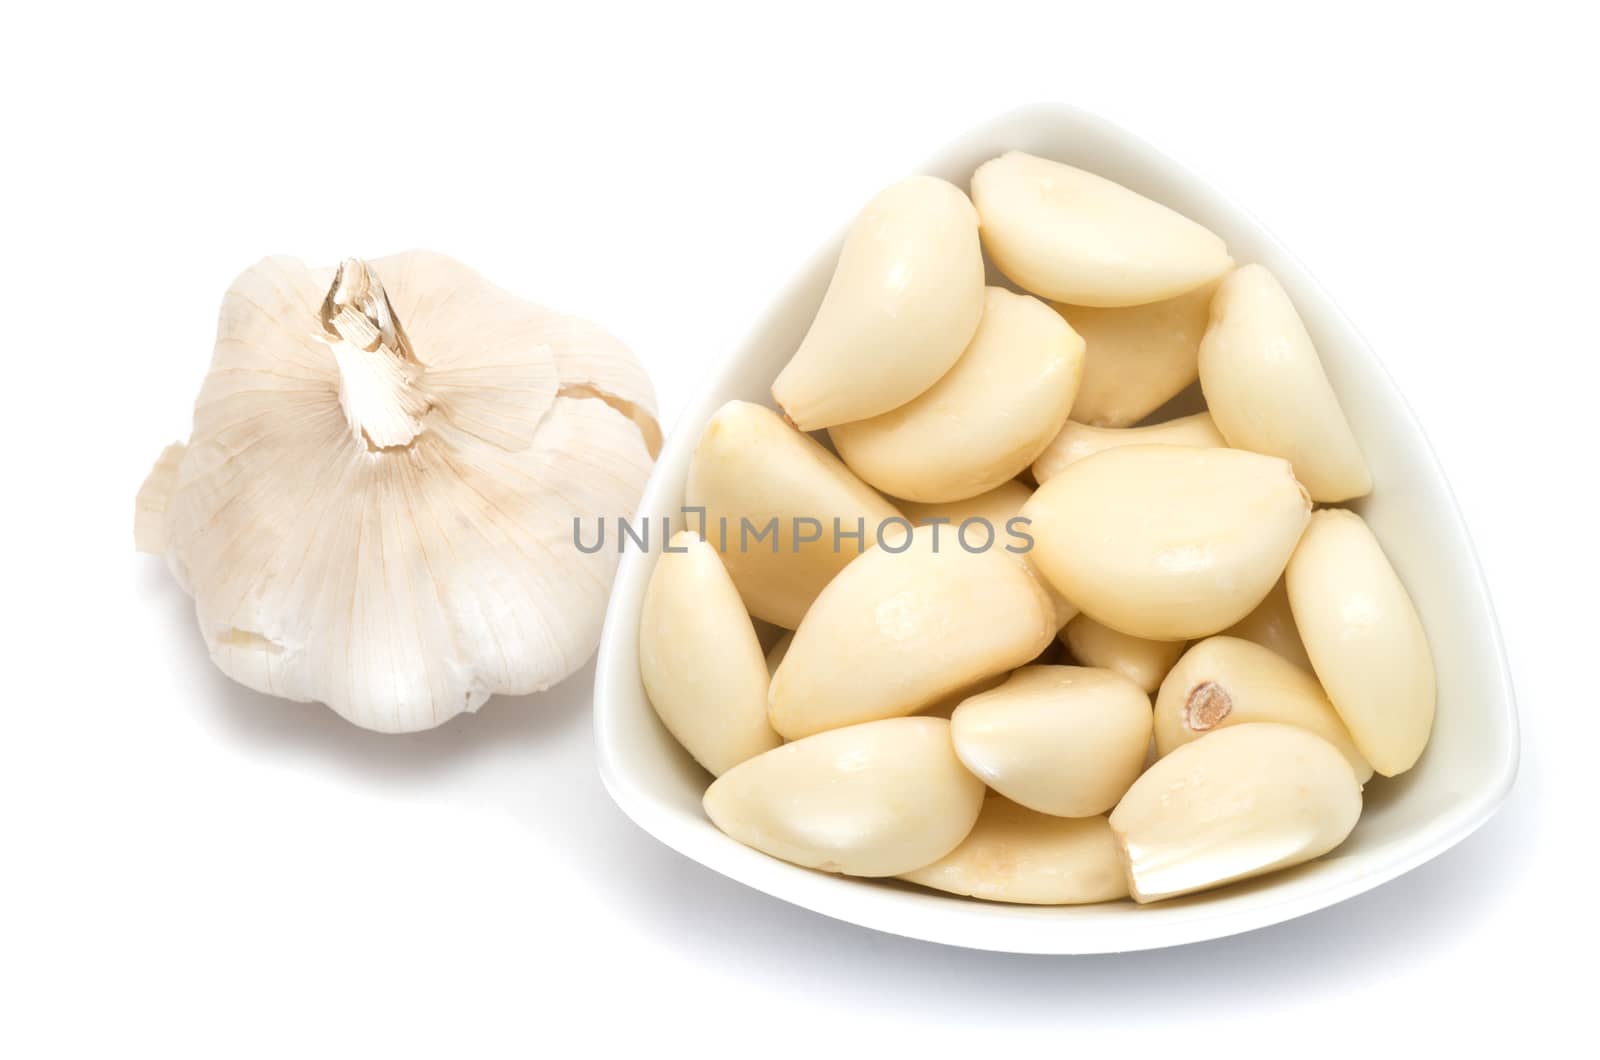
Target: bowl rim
{"points": [[930, 916]]}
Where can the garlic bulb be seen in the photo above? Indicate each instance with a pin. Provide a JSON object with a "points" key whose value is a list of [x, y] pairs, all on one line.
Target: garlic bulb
{"points": [[376, 508]]}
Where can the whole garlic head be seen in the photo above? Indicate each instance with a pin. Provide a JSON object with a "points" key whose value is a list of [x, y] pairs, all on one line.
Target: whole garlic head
{"points": [[375, 507]]}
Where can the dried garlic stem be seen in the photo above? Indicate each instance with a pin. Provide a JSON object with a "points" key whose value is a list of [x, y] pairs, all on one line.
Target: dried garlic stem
{"points": [[379, 386]]}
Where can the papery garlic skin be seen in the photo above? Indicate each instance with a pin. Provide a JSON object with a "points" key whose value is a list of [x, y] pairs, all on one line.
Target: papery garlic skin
{"points": [[1266, 388], [904, 300], [750, 465], [1365, 639], [1062, 740], [1137, 358], [1271, 625], [878, 799], [1225, 681], [895, 631], [1144, 662], [381, 518], [700, 659], [985, 420], [1237, 803], [1071, 236], [150, 506], [1078, 441], [1014, 854], [1167, 542]]}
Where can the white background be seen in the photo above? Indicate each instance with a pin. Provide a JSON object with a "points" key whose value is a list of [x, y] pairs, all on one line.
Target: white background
{"points": [[193, 869]]}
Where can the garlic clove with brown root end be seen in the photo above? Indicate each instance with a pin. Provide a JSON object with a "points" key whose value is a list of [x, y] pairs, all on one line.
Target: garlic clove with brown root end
{"points": [[1225, 681], [1236, 803], [378, 505], [700, 659], [1015, 854]]}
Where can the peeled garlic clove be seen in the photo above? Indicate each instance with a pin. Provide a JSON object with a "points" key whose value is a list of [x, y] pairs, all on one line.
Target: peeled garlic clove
{"points": [[700, 659], [1144, 662], [904, 300], [377, 507], [1137, 358], [878, 799], [1265, 387], [985, 420], [895, 631], [1241, 802], [1225, 681], [1063, 740], [1365, 640], [750, 469], [1167, 542], [998, 508], [1079, 440], [1071, 236], [1271, 625], [1014, 854]]}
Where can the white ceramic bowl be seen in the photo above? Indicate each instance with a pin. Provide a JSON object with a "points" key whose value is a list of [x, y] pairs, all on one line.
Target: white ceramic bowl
{"points": [[1462, 778]]}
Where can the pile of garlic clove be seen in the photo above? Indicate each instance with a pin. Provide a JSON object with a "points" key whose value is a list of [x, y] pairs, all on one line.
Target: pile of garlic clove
{"points": [[963, 696]]}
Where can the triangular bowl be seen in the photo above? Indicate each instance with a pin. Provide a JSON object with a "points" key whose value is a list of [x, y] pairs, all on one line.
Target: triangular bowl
{"points": [[1462, 778]]}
